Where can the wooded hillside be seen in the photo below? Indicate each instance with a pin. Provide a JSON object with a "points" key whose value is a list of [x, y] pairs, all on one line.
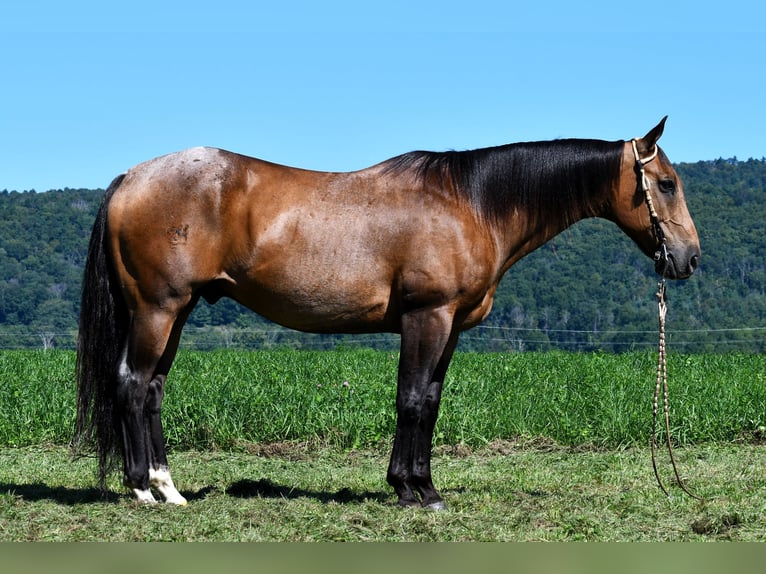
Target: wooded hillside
{"points": [[590, 288]]}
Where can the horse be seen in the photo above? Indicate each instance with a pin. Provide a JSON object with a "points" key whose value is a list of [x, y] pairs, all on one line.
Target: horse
{"points": [[415, 245]]}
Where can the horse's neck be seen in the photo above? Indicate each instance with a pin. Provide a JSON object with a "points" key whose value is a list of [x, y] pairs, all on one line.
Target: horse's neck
{"points": [[524, 234]]}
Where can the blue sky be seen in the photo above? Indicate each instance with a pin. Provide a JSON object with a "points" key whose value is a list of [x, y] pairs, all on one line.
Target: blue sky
{"points": [[91, 88]]}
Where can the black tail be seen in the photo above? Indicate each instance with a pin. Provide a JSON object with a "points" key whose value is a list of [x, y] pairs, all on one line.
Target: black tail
{"points": [[103, 326]]}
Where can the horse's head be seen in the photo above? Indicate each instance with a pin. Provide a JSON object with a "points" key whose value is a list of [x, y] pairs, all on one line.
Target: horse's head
{"points": [[650, 207]]}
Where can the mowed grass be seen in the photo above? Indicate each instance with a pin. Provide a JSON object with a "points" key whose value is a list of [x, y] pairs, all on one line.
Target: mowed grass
{"points": [[501, 492], [293, 445]]}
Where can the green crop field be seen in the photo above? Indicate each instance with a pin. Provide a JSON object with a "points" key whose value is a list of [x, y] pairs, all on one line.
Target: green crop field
{"points": [[345, 399], [293, 445]]}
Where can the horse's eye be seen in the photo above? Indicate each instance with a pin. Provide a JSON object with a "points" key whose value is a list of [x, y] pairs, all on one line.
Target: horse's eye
{"points": [[667, 186]]}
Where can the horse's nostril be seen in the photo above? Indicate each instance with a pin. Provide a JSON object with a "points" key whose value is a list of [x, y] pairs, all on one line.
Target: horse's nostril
{"points": [[694, 262]]}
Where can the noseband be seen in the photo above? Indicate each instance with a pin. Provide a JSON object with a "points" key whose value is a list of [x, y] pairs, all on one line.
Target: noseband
{"points": [[661, 255]]}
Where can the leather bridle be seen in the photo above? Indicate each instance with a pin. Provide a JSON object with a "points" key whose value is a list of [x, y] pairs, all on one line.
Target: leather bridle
{"points": [[661, 255]]}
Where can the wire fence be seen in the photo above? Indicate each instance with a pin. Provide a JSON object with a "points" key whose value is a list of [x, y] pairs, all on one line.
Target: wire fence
{"points": [[481, 338]]}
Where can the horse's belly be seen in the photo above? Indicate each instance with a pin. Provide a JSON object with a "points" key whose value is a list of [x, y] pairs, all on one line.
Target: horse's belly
{"points": [[319, 306]]}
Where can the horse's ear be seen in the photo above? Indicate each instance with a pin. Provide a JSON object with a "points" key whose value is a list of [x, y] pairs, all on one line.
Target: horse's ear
{"points": [[650, 139]]}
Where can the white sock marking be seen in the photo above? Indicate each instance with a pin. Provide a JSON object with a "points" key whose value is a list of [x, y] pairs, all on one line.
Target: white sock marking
{"points": [[160, 480]]}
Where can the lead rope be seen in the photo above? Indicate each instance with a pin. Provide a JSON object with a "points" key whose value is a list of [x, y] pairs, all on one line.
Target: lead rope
{"points": [[662, 309], [662, 380]]}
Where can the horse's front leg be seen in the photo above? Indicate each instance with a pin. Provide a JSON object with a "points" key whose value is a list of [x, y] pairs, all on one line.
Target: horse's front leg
{"points": [[426, 348], [423, 444]]}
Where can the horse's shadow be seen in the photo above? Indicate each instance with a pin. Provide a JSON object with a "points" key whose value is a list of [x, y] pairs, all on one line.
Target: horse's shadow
{"points": [[246, 488], [37, 492], [264, 488]]}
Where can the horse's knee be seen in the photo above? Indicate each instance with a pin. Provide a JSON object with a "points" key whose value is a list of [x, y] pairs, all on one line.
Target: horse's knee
{"points": [[409, 409]]}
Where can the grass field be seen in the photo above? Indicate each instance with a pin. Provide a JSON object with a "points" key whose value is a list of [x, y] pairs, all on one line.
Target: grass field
{"points": [[506, 491], [345, 399], [288, 445]]}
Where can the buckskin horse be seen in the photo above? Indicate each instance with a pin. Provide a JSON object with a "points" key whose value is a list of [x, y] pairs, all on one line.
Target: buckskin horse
{"points": [[415, 245]]}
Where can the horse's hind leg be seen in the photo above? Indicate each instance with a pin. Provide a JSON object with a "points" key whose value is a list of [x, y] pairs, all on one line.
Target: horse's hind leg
{"points": [[132, 387], [138, 398], [159, 472]]}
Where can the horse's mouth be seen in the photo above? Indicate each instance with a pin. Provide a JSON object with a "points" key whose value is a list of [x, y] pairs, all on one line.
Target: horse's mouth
{"points": [[671, 269]]}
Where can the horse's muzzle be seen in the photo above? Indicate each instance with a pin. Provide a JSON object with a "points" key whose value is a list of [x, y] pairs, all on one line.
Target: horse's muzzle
{"points": [[678, 265]]}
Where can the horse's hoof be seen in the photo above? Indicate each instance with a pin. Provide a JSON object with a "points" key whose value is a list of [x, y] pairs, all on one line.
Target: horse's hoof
{"points": [[437, 506], [180, 501], [172, 496], [144, 496], [159, 478]]}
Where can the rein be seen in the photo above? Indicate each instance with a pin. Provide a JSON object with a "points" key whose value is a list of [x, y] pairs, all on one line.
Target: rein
{"points": [[661, 257]]}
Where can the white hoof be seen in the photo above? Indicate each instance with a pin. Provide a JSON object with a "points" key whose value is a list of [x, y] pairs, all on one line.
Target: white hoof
{"points": [[144, 496], [160, 480]]}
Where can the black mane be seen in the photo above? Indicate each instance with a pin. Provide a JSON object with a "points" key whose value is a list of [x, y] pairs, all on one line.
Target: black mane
{"points": [[558, 181]]}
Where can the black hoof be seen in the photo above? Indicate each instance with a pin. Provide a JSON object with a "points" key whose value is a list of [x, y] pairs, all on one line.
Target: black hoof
{"points": [[408, 503]]}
